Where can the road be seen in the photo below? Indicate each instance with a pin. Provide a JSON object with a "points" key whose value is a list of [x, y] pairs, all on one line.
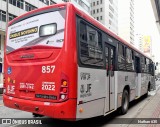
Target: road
{"points": [[107, 121]]}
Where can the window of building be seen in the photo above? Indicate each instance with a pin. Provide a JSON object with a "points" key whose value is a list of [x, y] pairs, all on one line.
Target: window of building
{"points": [[29, 7], [101, 9], [17, 3], [52, 2], [110, 15], [97, 10], [45, 1], [83, 5], [101, 17], [93, 11], [11, 17], [110, 22], [93, 3], [97, 2], [111, 8], [101, 1], [20, 4], [90, 45], [3, 16], [98, 18]]}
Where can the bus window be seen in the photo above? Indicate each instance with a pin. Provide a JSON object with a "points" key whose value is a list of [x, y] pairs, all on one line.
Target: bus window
{"points": [[143, 64], [90, 45], [129, 60], [147, 65], [83, 31], [121, 57]]}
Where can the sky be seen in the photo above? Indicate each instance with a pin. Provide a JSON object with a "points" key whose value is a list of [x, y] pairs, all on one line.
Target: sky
{"points": [[145, 24]]}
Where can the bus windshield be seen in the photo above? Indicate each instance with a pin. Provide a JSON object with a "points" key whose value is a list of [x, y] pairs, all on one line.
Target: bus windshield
{"points": [[42, 29]]}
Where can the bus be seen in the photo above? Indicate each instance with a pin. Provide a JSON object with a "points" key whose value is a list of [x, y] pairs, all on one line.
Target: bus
{"points": [[62, 63]]}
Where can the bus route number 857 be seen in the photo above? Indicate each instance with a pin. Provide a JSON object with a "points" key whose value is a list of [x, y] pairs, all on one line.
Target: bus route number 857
{"points": [[48, 69]]}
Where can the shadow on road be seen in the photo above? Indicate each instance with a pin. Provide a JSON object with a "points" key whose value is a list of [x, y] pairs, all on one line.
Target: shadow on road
{"points": [[100, 121]]}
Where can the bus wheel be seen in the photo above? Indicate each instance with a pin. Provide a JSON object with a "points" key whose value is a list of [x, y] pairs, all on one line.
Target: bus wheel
{"points": [[125, 102], [148, 90]]}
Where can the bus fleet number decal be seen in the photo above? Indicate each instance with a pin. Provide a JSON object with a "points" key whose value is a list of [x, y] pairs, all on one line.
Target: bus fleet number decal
{"points": [[48, 69]]}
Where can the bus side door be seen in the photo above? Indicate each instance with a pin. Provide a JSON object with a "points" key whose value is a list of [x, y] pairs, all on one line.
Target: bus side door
{"points": [[110, 78]]}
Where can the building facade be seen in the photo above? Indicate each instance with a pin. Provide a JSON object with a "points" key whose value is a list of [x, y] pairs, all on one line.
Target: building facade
{"points": [[19, 7], [126, 20], [144, 44], [139, 41], [106, 12]]}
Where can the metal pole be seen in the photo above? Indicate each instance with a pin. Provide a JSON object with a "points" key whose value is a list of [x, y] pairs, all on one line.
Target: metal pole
{"points": [[7, 14]]}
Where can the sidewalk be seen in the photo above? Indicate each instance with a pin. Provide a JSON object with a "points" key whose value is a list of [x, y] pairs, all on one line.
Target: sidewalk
{"points": [[150, 110]]}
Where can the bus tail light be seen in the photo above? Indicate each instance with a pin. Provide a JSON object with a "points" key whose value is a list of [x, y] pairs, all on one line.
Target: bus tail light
{"points": [[64, 90], [4, 90], [4, 81]]}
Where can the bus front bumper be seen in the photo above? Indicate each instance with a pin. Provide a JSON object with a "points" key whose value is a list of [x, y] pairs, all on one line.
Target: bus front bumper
{"points": [[63, 110]]}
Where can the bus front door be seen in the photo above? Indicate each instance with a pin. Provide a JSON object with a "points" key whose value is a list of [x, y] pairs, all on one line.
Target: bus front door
{"points": [[110, 78]]}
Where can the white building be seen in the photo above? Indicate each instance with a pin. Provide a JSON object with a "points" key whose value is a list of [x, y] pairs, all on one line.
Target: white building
{"points": [[144, 44], [106, 12], [82, 4], [126, 20], [138, 41], [19, 7]]}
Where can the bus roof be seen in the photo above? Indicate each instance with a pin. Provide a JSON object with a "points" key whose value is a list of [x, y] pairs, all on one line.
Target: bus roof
{"points": [[83, 15]]}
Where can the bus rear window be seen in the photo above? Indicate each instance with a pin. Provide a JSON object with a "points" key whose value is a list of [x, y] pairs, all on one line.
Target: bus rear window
{"points": [[35, 30]]}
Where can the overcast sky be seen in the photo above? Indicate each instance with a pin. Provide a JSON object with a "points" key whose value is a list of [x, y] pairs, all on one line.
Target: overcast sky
{"points": [[145, 24]]}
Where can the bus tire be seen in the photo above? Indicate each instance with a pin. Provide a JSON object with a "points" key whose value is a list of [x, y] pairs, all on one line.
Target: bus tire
{"points": [[125, 102], [148, 90]]}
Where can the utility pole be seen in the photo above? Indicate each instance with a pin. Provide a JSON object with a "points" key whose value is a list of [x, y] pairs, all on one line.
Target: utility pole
{"points": [[7, 14]]}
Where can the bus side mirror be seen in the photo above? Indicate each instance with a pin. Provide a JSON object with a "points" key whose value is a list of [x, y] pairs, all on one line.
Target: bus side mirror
{"points": [[155, 68]]}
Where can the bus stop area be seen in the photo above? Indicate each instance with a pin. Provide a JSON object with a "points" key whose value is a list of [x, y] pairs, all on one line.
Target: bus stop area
{"points": [[152, 109], [144, 112]]}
